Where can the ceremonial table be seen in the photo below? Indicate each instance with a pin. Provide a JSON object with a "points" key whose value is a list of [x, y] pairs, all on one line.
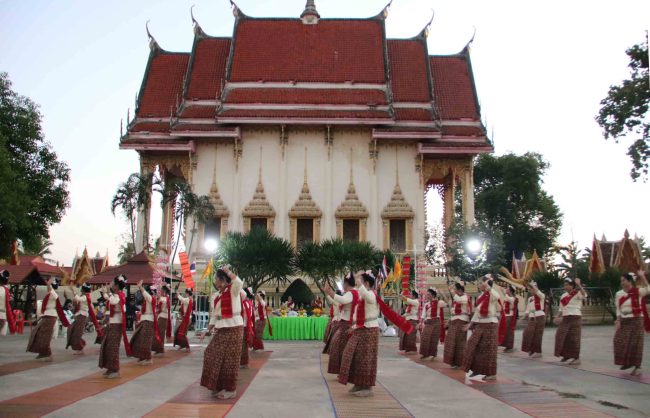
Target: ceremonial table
{"points": [[297, 328]]}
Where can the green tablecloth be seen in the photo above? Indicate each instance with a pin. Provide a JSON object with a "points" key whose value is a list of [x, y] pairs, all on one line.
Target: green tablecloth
{"points": [[295, 328]]}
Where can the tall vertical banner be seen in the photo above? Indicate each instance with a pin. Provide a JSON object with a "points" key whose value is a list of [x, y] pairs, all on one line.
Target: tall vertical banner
{"points": [[162, 260], [406, 273], [185, 269]]}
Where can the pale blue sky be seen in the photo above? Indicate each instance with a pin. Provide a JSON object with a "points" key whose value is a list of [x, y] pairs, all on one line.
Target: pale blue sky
{"points": [[541, 69]]}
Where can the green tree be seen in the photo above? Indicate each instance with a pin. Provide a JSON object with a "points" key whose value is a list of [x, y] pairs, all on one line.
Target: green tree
{"points": [[624, 112], [33, 182], [258, 257], [126, 252], [510, 199], [469, 265], [575, 262], [40, 247]]}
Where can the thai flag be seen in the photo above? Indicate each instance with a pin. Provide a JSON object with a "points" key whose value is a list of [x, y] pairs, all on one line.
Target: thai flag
{"points": [[384, 270], [193, 267]]}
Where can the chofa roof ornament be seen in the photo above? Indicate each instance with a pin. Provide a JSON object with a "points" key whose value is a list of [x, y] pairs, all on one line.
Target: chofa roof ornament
{"points": [[153, 44]]}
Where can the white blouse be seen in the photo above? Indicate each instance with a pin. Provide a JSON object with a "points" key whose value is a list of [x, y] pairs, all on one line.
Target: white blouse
{"points": [[464, 308], [426, 314], [574, 307], [493, 308], [346, 302], [530, 309], [236, 320], [625, 310], [162, 307], [50, 309], [511, 301], [411, 312], [82, 302], [3, 299], [116, 318], [261, 302], [372, 309], [148, 315]]}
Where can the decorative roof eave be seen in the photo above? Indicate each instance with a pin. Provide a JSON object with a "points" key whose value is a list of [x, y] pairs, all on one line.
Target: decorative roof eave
{"points": [[304, 85], [305, 106], [398, 207], [160, 147], [304, 121], [434, 149], [405, 134]]}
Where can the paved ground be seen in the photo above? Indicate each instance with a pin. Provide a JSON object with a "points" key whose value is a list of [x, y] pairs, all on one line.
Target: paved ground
{"points": [[290, 381]]}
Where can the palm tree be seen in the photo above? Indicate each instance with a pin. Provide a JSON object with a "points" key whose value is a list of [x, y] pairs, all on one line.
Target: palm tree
{"points": [[125, 199], [126, 252]]}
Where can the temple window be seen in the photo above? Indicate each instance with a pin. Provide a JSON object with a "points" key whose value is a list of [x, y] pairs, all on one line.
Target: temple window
{"points": [[397, 230], [213, 229], [305, 231], [259, 223], [351, 229]]}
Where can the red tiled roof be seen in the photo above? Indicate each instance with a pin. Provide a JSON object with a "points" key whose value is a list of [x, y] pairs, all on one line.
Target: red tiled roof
{"points": [[44, 268], [21, 272], [414, 114], [306, 96], [198, 112], [208, 68], [319, 114], [286, 49], [98, 264], [163, 84], [453, 87], [136, 269], [463, 131], [150, 127], [184, 127], [408, 70]]}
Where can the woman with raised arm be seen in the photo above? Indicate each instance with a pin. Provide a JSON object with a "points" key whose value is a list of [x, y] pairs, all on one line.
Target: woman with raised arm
{"points": [[261, 320], [632, 320], [461, 309], [407, 342], [83, 308], [109, 353], [147, 330], [481, 350], [433, 324], [163, 310], [508, 321], [180, 336], [223, 353], [341, 328], [569, 321], [531, 341], [41, 335]]}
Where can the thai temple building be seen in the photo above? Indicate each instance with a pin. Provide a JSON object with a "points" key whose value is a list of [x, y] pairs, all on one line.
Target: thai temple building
{"points": [[625, 254], [311, 127]]}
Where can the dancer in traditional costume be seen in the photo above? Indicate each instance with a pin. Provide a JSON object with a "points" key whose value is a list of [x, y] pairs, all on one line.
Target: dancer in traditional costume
{"points": [[104, 320], [109, 353], [433, 324], [508, 321], [83, 308], [180, 335], [164, 322], [456, 337], [147, 329], [481, 350], [569, 321], [248, 315], [531, 342], [341, 330], [41, 336], [222, 355], [261, 320], [359, 362], [407, 342], [7, 320], [632, 320], [333, 317]]}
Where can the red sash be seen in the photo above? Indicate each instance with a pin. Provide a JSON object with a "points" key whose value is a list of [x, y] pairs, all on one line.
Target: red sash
{"points": [[91, 313], [433, 306], [538, 303], [156, 332], [639, 306], [226, 303], [483, 303], [248, 309], [393, 316], [503, 321], [127, 346], [59, 310], [11, 321], [355, 301], [565, 300], [331, 311], [187, 315], [435, 313]]}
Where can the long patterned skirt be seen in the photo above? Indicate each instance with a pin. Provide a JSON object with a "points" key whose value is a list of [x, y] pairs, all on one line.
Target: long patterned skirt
{"points": [[481, 350], [158, 347], [407, 342], [567, 337], [142, 340], [258, 342], [332, 331], [221, 359], [628, 342], [109, 352], [359, 362], [328, 330], [509, 340], [181, 339], [76, 332], [104, 327], [532, 339], [41, 337], [243, 358], [339, 340], [455, 343], [429, 338]]}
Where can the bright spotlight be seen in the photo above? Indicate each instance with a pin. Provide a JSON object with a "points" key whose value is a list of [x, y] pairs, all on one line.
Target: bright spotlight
{"points": [[210, 244], [339, 286], [474, 246]]}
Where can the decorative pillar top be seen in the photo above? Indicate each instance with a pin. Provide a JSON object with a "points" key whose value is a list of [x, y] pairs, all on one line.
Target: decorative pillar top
{"points": [[305, 207], [351, 208], [259, 207], [220, 210], [310, 15]]}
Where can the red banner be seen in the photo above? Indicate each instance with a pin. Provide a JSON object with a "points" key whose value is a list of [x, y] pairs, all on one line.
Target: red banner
{"points": [[185, 269], [406, 272]]}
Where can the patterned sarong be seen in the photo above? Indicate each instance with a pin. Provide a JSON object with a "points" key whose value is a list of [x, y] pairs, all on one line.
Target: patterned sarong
{"points": [[359, 362], [41, 336], [509, 339], [258, 342], [567, 337], [532, 339], [109, 352], [76, 332], [159, 346], [481, 350], [407, 342], [142, 339], [339, 340], [429, 338], [221, 359], [455, 343], [628, 342]]}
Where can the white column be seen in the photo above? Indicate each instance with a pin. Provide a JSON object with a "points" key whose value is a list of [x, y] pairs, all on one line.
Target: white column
{"points": [[141, 233], [467, 189]]}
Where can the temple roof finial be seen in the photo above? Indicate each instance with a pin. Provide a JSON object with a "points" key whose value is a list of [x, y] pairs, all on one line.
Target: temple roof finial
{"points": [[471, 40], [310, 15], [384, 12], [424, 34], [197, 28], [153, 44]]}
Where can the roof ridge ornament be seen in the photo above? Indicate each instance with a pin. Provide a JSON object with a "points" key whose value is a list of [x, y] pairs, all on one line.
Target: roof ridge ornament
{"points": [[236, 11], [471, 40], [384, 12], [424, 34], [153, 44], [198, 30], [310, 15]]}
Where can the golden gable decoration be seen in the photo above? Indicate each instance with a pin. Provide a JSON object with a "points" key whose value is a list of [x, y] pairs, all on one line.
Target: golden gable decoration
{"points": [[398, 207]]}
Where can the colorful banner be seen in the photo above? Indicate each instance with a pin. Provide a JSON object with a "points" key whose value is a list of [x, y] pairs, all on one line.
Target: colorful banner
{"points": [[185, 269], [406, 273]]}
